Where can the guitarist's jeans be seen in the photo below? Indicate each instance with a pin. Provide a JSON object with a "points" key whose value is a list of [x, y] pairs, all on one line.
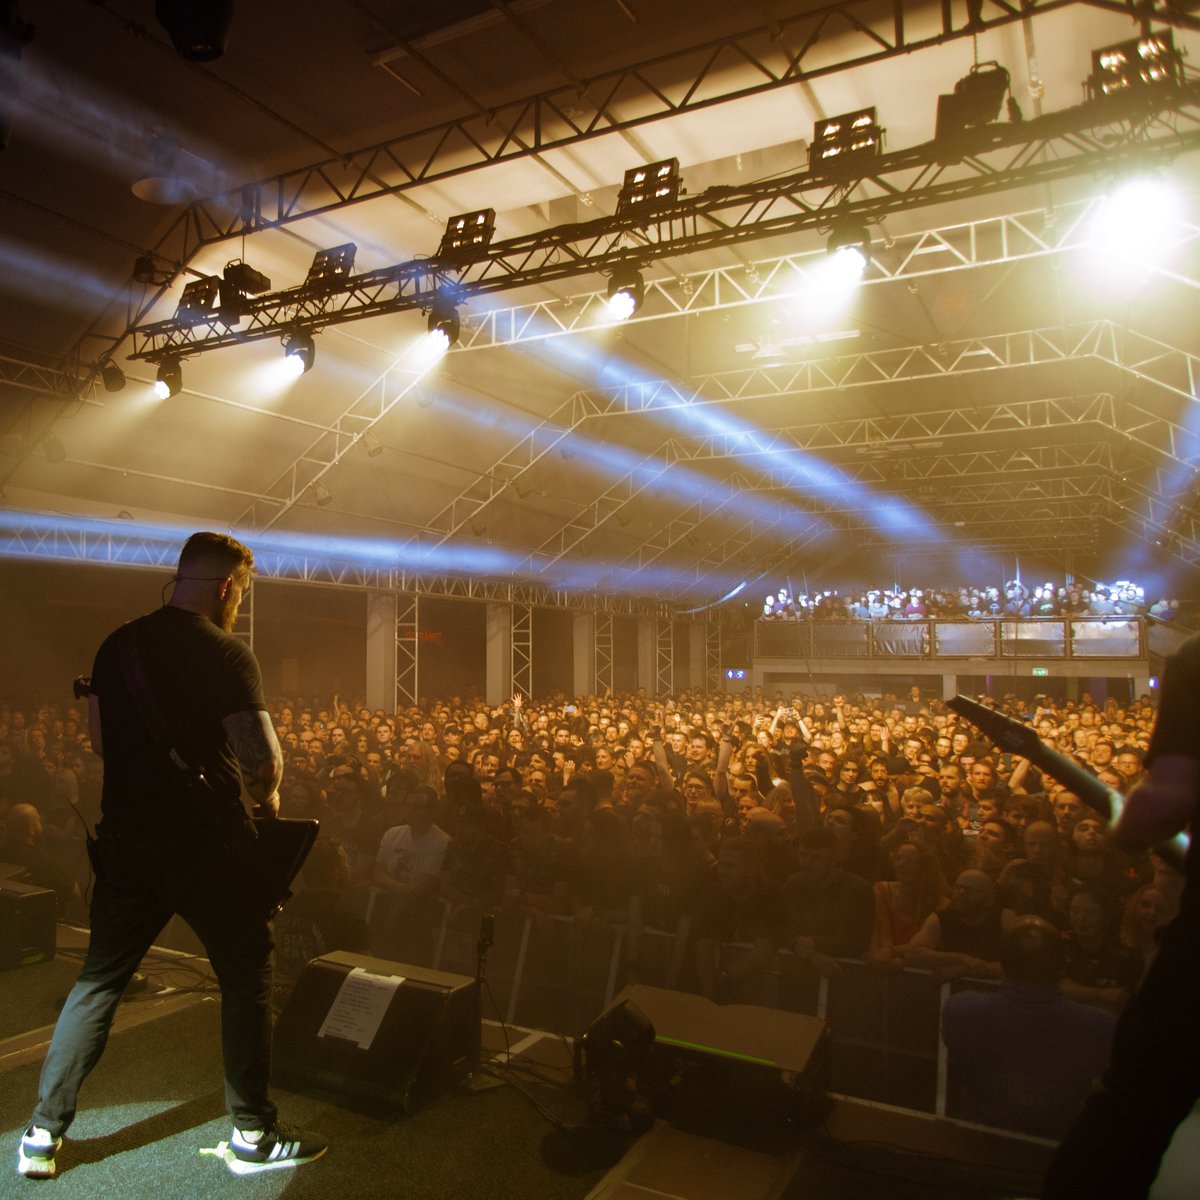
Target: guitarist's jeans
{"points": [[140, 882], [1115, 1146]]}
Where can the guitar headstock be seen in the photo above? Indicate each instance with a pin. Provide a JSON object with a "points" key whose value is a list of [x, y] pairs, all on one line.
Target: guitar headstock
{"points": [[1010, 735]]}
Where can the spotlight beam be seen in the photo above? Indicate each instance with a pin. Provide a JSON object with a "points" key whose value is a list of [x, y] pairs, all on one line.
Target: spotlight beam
{"points": [[1104, 341], [462, 572]]}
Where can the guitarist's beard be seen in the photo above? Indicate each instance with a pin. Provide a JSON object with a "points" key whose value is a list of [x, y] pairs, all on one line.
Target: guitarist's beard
{"points": [[227, 614]]}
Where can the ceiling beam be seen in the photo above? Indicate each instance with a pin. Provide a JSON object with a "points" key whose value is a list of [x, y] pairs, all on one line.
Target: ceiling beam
{"points": [[29, 374], [1172, 369]]}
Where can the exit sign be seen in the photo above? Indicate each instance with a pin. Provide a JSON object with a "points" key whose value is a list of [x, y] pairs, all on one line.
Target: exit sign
{"points": [[1041, 670]]}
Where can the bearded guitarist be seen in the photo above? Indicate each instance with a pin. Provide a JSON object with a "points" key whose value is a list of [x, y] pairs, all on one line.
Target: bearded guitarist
{"points": [[177, 712]]}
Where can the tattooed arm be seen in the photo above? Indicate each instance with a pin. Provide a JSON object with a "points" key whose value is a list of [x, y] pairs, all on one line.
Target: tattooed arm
{"points": [[252, 737]]}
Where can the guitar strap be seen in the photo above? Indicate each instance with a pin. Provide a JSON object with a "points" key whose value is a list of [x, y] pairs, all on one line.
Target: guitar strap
{"points": [[240, 834], [137, 683]]}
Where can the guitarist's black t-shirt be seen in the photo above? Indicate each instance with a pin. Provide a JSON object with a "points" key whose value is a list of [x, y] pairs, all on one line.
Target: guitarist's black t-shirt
{"points": [[198, 675]]}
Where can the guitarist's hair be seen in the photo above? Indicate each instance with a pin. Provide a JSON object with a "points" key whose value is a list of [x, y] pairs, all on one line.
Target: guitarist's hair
{"points": [[214, 551]]}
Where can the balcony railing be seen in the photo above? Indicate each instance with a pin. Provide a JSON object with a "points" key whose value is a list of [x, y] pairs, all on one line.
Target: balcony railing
{"points": [[1040, 637]]}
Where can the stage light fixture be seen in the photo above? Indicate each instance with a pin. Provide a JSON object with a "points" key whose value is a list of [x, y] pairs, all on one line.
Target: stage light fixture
{"points": [[444, 325], [976, 100], [373, 444], [169, 379], [467, 234], [199, 29], [1148, 61], [850, 248], [647, 188], [626, 291], [300, 352], [239, 280], [843, 145], [198, 302], [321, 494], [145, 270], [244, 277], [112, 376], [330, 267]]}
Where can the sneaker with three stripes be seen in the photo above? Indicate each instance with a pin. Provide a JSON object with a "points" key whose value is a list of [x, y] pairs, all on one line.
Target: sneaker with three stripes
{"points": [[279, 1146]]}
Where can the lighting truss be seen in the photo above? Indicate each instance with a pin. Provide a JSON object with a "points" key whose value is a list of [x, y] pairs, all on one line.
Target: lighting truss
{"points": [[683, 528], [689, 79], [997, 158], [782, 52], [982, 242], [44, 379]]}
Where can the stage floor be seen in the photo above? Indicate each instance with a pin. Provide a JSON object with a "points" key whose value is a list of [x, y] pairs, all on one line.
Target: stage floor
{"points": [[152, 1113]]}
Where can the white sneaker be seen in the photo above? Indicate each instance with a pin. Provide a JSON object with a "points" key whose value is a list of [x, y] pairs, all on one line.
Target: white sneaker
{"points": [[280, 1146], [35, 1158]]}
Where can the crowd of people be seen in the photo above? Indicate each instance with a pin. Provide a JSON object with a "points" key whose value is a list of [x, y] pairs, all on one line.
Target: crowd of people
{"points": [[848, 827], [1015, 599]]}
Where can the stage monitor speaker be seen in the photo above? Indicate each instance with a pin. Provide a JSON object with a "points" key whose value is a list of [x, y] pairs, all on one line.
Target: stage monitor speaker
{"points": [[379, 1031], [725, 1068], [28, 924]]}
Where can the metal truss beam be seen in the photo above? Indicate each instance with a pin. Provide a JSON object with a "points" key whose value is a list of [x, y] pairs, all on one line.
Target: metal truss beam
{"points": [[686, 528], [1132, 352], [408, 652], [930, 465], [661, 395], [243, 626], [1174, 517], [985, 241], [664, 657], [43, 379], [990, 421], [521, 647], [759, 549], [1136, 354], [1173, 369], [1185, 548], [603, 648], [23, 539], [1091, 138], [714, 666], [781, 53], [331, 445]]}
